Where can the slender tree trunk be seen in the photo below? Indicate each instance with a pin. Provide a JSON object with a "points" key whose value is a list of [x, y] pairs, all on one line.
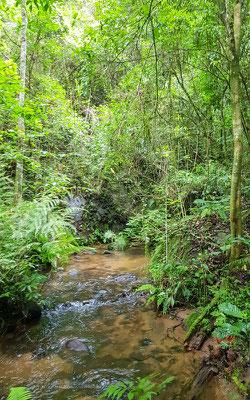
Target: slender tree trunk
{"points": [[21, 126], [166, 210], [234, 31]]}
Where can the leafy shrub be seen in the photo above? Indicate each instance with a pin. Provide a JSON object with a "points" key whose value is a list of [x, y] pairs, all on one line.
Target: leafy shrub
{"points": [[209, 207], [109, 237], [116, 242], [177, 284], [34, 235], [173, 286], [164, 297], [146, 226], [231, 322], [197, 184]]}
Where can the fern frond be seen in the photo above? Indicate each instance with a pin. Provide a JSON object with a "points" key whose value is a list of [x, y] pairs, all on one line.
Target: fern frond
{"points": [[19, 393], [34, 233], [241, 262]]}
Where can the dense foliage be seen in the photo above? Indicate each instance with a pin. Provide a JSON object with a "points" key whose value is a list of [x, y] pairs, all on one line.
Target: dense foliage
{"points": [[35, 235], [132, 106]]}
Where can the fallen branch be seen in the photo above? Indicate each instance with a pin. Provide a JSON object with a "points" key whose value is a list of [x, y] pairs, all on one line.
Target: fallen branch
{"points": [[206, 311]]}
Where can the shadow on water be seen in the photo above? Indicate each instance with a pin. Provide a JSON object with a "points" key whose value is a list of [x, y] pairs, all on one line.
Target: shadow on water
{"points": [[120, 337]]}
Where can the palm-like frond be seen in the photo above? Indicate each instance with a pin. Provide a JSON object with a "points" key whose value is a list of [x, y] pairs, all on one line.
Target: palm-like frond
{"points": [[19, 393]]}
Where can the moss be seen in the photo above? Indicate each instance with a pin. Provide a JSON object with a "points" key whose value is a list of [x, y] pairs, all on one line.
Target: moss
{"points": [[191, 318], [203, 314]]}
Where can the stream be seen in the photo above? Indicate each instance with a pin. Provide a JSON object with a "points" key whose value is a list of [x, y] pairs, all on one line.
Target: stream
{"points": [[92, 299]]}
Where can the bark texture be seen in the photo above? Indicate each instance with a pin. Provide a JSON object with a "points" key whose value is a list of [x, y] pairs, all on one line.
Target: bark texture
{"points": [[233, 24]]}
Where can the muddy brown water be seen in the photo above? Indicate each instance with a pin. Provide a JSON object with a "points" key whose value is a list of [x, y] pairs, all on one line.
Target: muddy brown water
{"points": [[92, 300]]}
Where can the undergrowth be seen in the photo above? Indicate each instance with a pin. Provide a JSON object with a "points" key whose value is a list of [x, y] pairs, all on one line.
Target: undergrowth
{"points": [[34, 236], [195, 269], [143, 389]]}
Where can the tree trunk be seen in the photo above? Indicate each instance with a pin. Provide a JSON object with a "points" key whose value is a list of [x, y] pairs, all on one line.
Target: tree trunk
{"points": [[233, 24], [21, 126]]}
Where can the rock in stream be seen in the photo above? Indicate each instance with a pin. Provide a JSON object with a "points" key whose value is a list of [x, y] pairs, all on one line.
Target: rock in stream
{"points": [[76, 345]]}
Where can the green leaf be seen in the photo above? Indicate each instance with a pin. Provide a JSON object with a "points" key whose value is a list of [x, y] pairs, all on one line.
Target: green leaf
{"points": [[145, 9], [227, 330], [230, 309], [168, 380], [122, 391], [148, 287], [156, 33], [222, 214], [19, 393]]}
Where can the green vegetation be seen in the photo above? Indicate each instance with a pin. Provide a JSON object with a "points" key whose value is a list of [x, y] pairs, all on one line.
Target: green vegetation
{"points": [[36, 234], [231, 321], [19, 393], [143, 390], [140, 110]]}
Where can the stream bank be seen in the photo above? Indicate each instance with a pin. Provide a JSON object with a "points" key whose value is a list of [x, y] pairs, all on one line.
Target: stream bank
{"points": [[96, 331]]}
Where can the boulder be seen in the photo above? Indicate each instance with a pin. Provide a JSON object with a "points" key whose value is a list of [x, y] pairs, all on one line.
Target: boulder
{"points": [[32, 310], [76, 345], [77, 205], [13, 317]]}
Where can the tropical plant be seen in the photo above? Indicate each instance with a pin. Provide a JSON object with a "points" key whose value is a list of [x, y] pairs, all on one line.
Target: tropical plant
{"points": [[19, 393], [170, 291], [231, 323], [143, 389], [164, 297], [209, 207], [109, 236], [35, 235], [115, 241]]}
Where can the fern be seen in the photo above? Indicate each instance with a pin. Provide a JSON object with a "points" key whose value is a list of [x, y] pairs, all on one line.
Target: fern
{"points": [[6, 190], [34, 234], [19, 393], [241, 262], [142, 389]]}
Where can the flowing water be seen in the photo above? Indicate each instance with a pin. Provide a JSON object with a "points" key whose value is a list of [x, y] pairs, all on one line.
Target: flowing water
{"points": [[93, 300]]}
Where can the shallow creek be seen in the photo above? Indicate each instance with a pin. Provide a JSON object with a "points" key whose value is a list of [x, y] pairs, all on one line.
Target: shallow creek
{"points": [[92, 300]]}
